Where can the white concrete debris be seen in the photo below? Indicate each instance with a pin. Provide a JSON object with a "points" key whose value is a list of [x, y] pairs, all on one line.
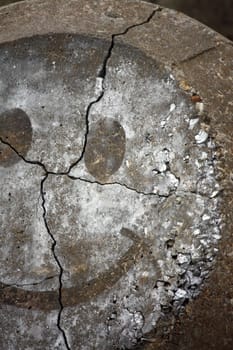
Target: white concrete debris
{"points": [[180, 294], [200, 107], [193, 122], [201, 137]]}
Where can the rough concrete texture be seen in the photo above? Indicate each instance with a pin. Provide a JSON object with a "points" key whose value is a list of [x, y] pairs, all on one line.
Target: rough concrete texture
{"points": [[114, 188], [218, 15]]}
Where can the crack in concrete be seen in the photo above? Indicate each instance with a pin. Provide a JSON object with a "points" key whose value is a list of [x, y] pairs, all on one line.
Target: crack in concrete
{"points": [[32, 162], [120, 184], [217, 47], [198, 54], [176, 192], [102, 75], [114, 183], [103, 71], [53, 248]]}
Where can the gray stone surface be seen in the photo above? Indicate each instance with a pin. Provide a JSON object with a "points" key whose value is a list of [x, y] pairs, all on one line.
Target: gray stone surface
{"points": [[110, 209], [218, 15], [52, 78]]}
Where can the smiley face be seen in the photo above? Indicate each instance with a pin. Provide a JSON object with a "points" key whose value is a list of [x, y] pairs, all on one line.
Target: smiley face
{"points": [[128, 195]]}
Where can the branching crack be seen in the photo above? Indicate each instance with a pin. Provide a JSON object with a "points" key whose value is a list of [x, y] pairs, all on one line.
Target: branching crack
{"points": [[102, 75]]}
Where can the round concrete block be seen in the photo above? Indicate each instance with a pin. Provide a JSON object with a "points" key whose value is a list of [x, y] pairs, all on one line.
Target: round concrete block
{"points": [[114, 182]]}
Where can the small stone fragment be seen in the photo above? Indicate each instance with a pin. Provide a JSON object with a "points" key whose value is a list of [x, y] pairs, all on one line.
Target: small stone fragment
{"points": [[201, 137], [184, 85], [199, 107], [193, 122], [180, 294]]}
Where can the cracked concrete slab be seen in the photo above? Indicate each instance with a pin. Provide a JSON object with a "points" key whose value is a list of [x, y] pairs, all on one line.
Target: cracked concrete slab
{"points": [[110, 184], [99, 19], [114, 244], [26, 258], [139, 95], [23, 235], [169, 45], [56, 81]]}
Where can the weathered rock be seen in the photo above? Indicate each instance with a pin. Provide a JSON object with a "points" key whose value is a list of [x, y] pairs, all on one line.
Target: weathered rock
{"points": [[110, 209]]}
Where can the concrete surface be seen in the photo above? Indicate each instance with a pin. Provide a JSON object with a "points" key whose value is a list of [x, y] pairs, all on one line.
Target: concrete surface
{"points": [[218, 15], [115, 189]]}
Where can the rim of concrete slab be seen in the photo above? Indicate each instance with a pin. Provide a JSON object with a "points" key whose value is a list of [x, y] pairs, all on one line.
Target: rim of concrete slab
{"points": [[199, 58]]}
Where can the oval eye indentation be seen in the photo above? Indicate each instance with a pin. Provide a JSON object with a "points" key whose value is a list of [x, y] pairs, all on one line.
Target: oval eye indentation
{"points": [[16, 129], [105, 148]]}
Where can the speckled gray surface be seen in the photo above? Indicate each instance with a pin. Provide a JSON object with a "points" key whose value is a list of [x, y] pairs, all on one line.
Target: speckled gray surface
{"points": [[109, 198]]}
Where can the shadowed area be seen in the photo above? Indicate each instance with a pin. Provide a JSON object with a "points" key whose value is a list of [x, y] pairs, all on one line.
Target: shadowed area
{"points": [[105, 148], [48, 300], [52, 80], [16, 129]]}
